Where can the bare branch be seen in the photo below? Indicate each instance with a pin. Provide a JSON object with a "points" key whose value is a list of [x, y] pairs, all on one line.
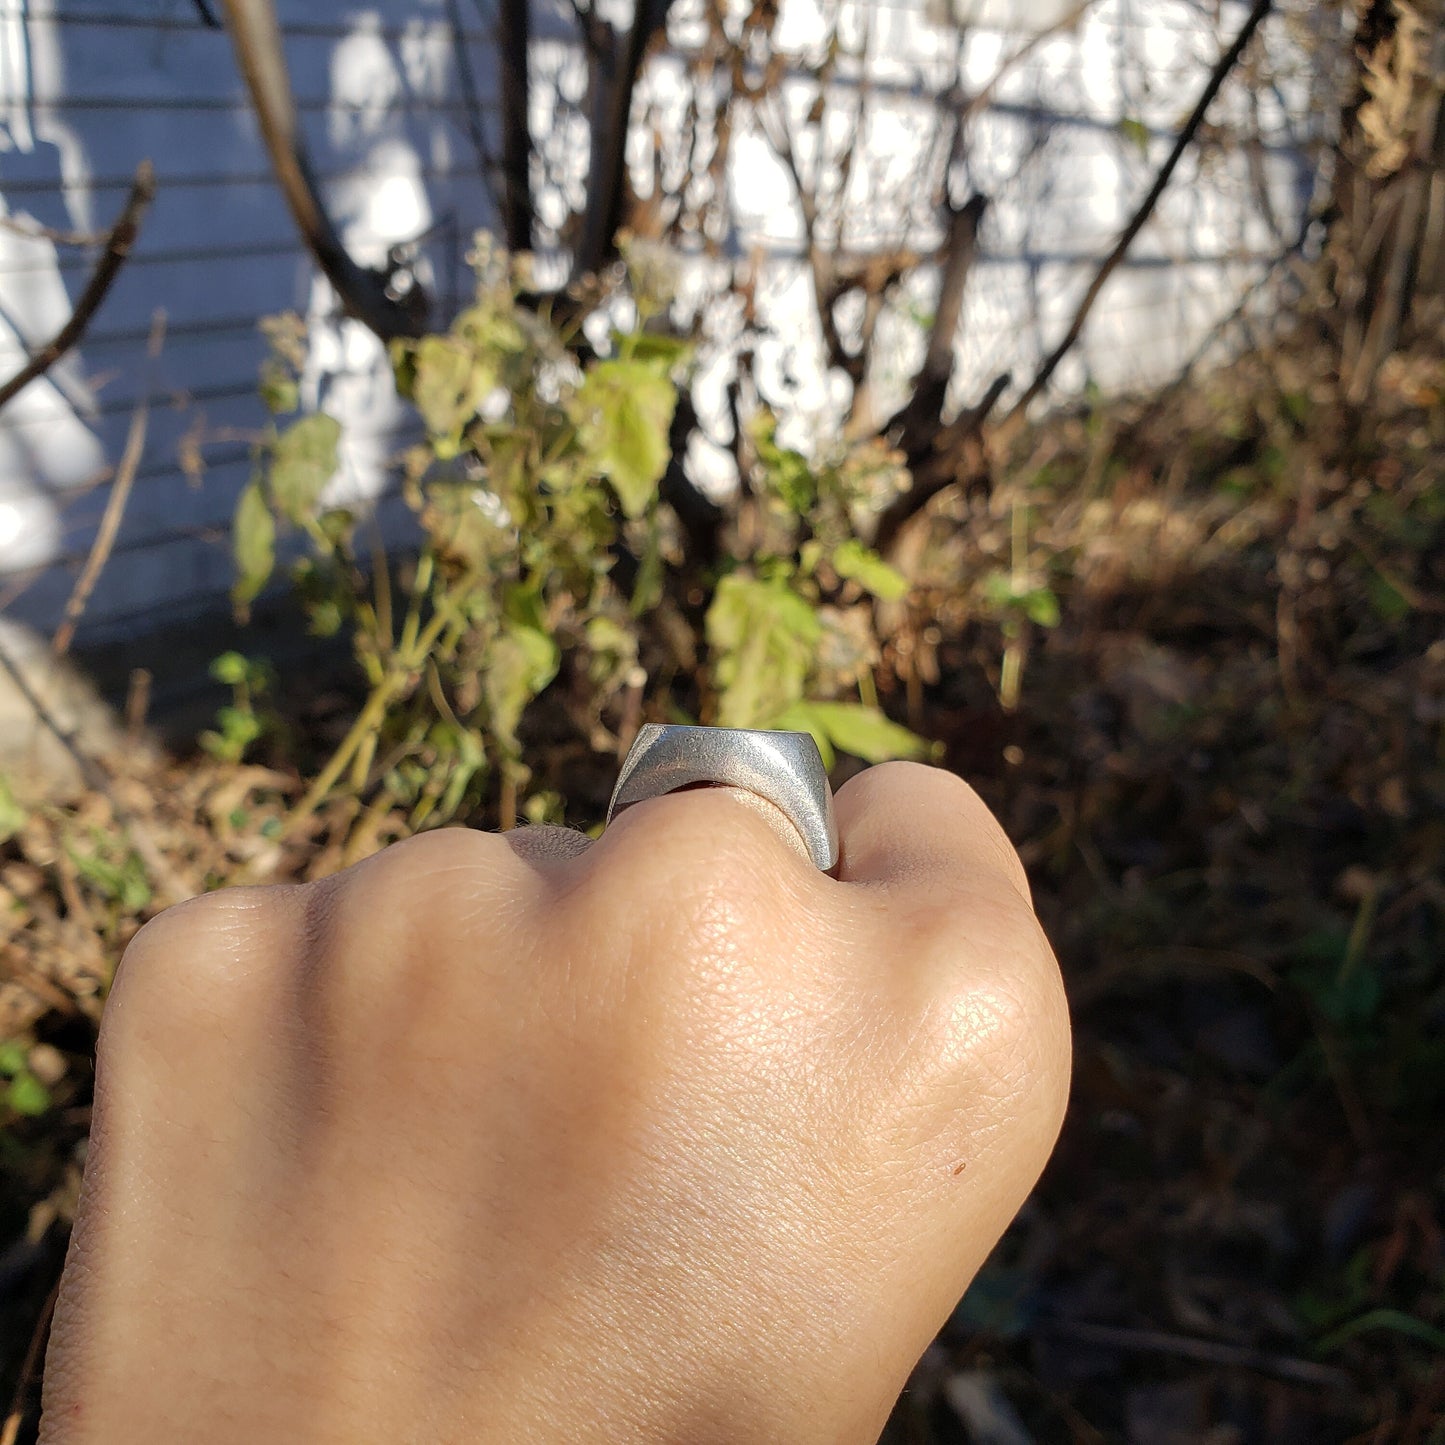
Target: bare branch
{"points": [[615, 61], [117, 247], [820, 263], [364, 293], [512, 47], [983, 97], [114, 505], [930, 386], [1011, 424]]}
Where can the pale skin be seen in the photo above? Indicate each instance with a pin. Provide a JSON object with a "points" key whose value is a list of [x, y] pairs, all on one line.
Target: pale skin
{"points": [[666, 1138]]}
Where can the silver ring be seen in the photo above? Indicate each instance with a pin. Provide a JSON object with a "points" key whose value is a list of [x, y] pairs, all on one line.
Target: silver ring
{"points": [[785, 769]]}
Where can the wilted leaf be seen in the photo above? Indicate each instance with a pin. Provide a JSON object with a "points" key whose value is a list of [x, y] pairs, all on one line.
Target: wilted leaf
{"points": [[865, 567], [520, 663], [303, 460], [449, 382], [253, 544], [278, 388], [624, 414]]}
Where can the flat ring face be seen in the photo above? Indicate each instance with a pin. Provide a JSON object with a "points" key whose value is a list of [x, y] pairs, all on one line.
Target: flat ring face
{"points": [[785, 769]]}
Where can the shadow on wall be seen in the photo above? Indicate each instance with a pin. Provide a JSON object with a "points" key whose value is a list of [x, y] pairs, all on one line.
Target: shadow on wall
{"points": [[83, 98]]}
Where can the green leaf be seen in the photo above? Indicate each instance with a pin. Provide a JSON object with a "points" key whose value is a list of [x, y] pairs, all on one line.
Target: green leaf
{"points": [[786, 472], [1041, 606], [865, 567], [253, 544], [1137, 132], [763, 638], [232, 668], [659, 351], [450, 381], [303, 459], [1038, 604], [854, 728], [1390, 604], [13, 1055], [12, 816], [27, 1095], [623, 411], [124, 883], [1396, 1321]]}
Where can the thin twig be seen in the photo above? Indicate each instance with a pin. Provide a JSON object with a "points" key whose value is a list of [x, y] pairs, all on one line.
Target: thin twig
{"points": [[1011, 424], [30, 1369], [1209, 1352], [29, 230], [983, 97], [114, 505], [118, 242]]}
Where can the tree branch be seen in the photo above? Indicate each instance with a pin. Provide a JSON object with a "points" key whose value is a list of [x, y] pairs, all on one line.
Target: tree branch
{"points": [[117, 247], [920, 416], [364, 293], [512, 46], [1011, 424], [938, 464], [615, 62]]}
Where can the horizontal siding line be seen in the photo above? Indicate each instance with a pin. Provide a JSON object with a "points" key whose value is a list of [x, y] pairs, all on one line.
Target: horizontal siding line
{"points": [[180, 256], [193, 25], [775, 249], [308, 105], [123, 406], [412, 105], [201, 180], [210, 533]]}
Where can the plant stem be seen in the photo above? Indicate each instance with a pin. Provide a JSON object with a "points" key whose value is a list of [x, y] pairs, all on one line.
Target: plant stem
{"points": [[368, 720]]}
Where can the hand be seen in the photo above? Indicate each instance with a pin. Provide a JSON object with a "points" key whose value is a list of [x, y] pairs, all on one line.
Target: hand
{"points": [[669, 1138]]}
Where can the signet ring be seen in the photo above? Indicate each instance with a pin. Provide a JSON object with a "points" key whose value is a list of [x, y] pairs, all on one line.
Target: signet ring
{"points": [[783, 768]]}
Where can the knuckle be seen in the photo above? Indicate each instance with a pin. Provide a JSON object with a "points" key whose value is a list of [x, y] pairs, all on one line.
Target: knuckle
{"points": [[409, 911], [995, 982], [201, 962]]}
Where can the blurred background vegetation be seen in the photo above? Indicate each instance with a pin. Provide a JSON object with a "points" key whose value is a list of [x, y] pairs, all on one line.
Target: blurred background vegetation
{"points": [[1188, 644]]}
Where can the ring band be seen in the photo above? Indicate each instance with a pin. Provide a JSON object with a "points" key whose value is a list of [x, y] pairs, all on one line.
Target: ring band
{"points": [[783, 768]]}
